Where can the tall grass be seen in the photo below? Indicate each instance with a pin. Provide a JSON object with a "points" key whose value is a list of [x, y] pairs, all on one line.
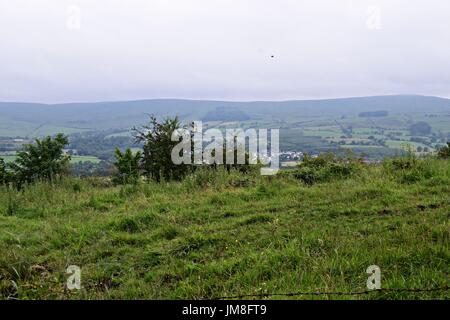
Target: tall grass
{"points": [[218, 233]]}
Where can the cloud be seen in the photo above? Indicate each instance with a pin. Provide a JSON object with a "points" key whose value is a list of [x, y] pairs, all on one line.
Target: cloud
{"points": [[59, 51]]}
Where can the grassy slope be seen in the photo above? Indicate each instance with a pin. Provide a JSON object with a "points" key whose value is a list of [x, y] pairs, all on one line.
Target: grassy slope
{"points": [[273, 235]]}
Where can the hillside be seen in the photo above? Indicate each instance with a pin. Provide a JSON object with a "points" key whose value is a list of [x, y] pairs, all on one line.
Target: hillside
{"points": [[216, 235], [28, 118]]}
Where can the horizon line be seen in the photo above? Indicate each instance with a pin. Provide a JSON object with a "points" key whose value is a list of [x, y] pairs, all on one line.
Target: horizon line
{"points": [[225, 100]]}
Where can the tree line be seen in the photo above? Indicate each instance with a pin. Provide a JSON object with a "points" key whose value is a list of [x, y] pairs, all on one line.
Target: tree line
{"points": [[45, 159]]}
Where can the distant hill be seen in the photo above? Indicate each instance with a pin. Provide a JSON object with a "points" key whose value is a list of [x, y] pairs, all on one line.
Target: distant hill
{"points": [[73, 117], [226, 114]]}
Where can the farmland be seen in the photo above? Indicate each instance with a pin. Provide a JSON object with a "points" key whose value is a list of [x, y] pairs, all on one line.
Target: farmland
{"points": [[74, 159], [373, 126]]}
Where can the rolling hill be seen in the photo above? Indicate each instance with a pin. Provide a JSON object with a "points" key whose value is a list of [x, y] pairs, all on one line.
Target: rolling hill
{"points": [[34, 119]]}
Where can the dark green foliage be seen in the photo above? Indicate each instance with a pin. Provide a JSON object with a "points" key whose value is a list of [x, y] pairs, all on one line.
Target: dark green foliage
{"points": [[406, 162], [444, 152], [158, 145], [127, 165], [76, 187], [156, 158], [4, 177], [308, 175], [45, 160], [408, 168], [326, 167]]}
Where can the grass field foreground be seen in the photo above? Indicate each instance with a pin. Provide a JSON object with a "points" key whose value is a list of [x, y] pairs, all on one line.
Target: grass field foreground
{"points": [[216, 235]]}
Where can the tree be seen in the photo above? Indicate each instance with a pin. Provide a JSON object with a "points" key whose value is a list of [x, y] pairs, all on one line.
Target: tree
{"points": [[420, 129], [444, 152], [127, 165], [44, 160], [156, 158], [3, 173]]}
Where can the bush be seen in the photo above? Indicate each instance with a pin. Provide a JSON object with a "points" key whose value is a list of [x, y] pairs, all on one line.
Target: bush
{"points": [[127, 165], [43, 161], [409, 168], [407, 162], [158, 145], [326, 167], [308, 175], [4, 176], [444, 152]]}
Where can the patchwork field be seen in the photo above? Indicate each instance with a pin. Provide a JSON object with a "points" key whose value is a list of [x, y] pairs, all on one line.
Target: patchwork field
{"points": [[376, 126]]}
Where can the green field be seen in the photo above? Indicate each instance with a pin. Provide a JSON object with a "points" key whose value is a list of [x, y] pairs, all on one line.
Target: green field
{"points": [[24, 129], [404, 145], [76, 159], [224, 235], [312, 132], [73, 159]]}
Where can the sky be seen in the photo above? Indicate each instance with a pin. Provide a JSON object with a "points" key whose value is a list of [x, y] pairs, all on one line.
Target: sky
{"points": [[55, 51]]}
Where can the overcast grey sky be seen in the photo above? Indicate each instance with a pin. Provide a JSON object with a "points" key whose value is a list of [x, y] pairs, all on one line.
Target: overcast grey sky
{"points": [[92, 50]]}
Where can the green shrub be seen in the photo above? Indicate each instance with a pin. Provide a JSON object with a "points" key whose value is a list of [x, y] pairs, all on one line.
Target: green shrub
{"points": [[444, 153], [3, 173], [156, 161], [409, 168], [127, 165], [44, 160], [405, 162], [326, 167]]}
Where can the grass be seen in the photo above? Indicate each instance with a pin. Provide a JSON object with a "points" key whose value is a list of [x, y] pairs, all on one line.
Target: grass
{"points": [[238, 235]]}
